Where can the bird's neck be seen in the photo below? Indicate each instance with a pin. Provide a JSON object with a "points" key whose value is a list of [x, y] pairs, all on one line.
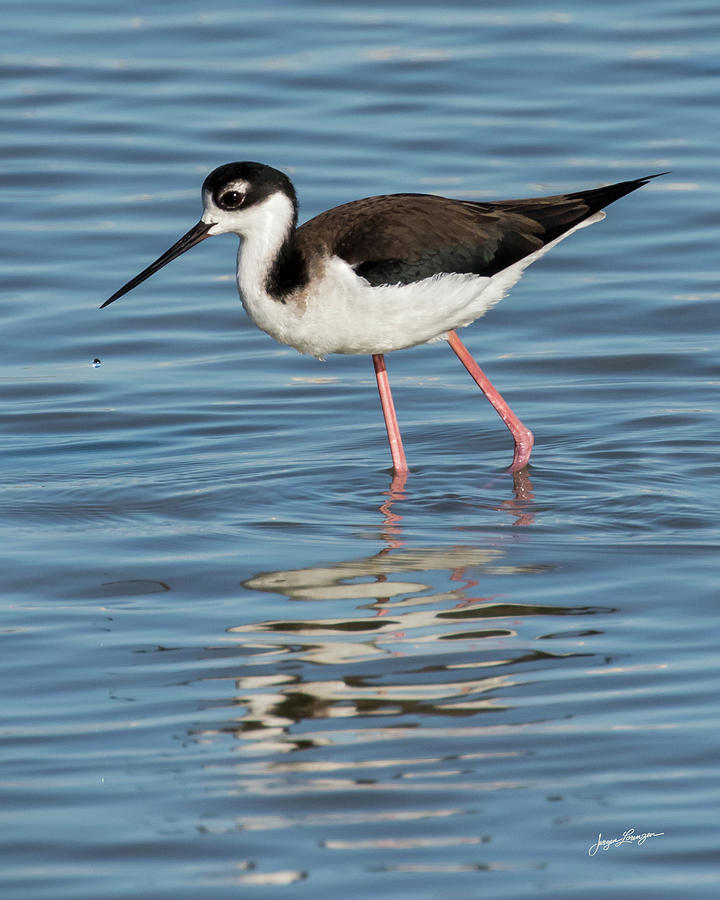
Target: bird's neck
{"points": [[270, 260], [289, 270]]}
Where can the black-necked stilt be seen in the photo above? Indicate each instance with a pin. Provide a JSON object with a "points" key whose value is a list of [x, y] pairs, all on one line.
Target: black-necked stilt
{"points": [[382, 273]]}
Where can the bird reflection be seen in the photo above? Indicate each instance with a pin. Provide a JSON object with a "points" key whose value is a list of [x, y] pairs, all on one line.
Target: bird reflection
{"points": [[391, 532], [521, 505], [471, 648], [404, 681]]}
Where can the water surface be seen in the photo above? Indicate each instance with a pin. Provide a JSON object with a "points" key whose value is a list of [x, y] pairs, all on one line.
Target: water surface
{"points": [[238, 658]]}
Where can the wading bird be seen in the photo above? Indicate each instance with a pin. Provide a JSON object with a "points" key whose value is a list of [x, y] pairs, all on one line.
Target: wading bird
{"points": [[383, 273]]}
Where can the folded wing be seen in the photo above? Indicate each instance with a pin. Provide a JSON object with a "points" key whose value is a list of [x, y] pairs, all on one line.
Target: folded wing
{"points": [[402, 238]]}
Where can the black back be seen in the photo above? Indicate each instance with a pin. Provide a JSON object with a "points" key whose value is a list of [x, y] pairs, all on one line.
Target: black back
{"points": [[402, 238]]}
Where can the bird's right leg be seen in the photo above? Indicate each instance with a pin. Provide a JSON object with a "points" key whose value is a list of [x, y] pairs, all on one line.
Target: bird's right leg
{"points": [[391, 423]]}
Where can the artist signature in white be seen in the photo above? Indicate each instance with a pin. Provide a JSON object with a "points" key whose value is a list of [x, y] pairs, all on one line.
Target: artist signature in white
{"points": [[628, 837]]}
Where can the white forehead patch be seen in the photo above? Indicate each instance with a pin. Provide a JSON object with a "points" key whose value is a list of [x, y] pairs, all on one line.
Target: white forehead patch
{"points": [[239, 185]]}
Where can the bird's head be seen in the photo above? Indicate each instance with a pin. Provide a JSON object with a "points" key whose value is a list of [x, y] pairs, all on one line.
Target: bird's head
{"points": [[242, 198]]}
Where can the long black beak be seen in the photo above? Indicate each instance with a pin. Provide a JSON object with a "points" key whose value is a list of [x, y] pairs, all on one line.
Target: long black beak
{"points": [[196, 234]]}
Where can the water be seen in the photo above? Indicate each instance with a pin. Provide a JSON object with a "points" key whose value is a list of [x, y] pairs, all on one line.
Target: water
{"points": [[238, 659]]}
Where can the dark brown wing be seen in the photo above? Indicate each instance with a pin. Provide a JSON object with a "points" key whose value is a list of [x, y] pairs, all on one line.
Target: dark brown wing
{"points": [[407, 237]]}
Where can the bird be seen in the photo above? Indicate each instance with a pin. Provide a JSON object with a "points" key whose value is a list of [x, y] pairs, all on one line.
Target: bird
{"points": [[382, 273]]}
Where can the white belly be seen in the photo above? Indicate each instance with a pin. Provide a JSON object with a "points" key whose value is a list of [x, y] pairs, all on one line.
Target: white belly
{"points": [[344, 314]]}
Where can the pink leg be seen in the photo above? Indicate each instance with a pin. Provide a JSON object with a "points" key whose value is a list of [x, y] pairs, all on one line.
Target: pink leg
{"points": [[522, 436], [388, 408]]}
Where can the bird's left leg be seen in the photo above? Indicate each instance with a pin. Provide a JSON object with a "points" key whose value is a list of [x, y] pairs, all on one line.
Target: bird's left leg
{"points": [[522, 436]]}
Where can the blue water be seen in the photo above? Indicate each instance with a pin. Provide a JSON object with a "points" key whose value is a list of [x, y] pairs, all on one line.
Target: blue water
{"points": [[237, 658]]}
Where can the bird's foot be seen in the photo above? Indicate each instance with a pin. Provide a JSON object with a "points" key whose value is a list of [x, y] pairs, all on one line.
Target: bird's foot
{"points": [[524, 442]]}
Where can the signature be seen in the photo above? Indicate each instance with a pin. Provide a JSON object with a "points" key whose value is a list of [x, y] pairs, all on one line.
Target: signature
{"points": [[628, 837]]}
